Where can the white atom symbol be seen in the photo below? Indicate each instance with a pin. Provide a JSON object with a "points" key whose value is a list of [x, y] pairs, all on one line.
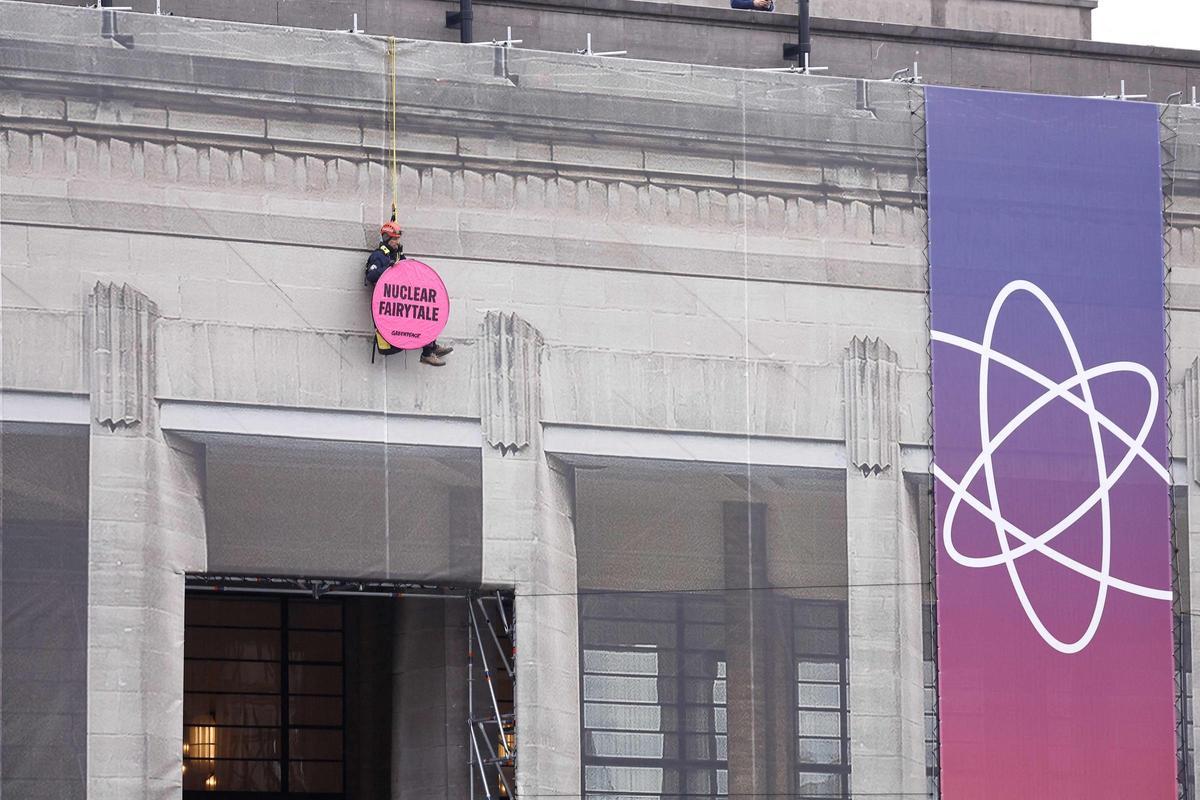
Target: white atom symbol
{"points": [[1107, 478]]}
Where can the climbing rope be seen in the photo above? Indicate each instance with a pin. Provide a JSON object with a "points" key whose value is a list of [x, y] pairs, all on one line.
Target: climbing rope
{"points": [[395, 170]]}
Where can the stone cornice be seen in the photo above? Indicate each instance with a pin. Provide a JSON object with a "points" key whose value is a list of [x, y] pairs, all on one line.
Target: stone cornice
{"points": [[446, 88], [434, 108]]}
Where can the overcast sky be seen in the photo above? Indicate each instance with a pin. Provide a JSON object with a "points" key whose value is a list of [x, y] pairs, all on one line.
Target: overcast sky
{"points": [[1168, 23]]}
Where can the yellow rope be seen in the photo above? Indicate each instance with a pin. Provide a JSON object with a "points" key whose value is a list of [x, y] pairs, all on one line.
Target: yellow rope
{"points": [[395, 160]]}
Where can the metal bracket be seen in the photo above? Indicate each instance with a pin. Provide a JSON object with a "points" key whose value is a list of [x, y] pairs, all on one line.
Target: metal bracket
{"points": [[791, 51]]}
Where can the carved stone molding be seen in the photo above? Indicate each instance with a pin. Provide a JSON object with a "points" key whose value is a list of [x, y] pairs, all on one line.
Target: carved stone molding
{"points": [[799, 206], [1191, 418], [121, 338], [510, 388], [872, 384]]}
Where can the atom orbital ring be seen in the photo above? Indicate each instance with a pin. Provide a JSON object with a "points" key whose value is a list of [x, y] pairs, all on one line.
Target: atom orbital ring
{"points": [[990, 443]]}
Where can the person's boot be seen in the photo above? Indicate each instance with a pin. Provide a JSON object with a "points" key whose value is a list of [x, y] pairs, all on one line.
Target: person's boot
{"points": [[432, 360], [443, 351]]}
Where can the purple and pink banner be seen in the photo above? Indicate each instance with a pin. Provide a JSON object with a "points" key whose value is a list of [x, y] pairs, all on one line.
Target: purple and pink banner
{"points": [[1056, 666]]}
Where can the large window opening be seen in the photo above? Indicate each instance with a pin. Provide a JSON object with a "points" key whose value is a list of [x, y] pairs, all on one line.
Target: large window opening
{"points": [[347, 690], [713, 632], [264, 700], [656, 697]]}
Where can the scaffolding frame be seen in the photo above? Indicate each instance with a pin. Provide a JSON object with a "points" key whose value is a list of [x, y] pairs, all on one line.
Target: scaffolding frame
{"points": [[492, 733]]}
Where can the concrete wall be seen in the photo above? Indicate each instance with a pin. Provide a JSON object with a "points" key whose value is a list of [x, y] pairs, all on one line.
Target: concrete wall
{"points": [[630, 258], [629, 245]]}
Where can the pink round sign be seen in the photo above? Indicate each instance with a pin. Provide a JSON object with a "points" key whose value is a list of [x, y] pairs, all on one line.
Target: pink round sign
{"points": [[410, 305]]}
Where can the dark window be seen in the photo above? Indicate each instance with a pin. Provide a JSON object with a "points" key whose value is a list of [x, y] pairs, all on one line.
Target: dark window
{"points": [[263, 699]]}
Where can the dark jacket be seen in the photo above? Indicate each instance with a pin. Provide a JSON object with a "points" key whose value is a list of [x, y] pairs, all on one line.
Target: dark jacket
{"points": [[378, 262], [748, 5]]}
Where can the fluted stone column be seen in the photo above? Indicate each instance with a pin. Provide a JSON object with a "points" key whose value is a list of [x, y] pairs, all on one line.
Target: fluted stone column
{"points": [[1191, 433], [529, 543], [145, 529], [887, 748]]}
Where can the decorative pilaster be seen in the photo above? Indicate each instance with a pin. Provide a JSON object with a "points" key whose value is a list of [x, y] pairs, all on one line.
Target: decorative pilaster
{"points": [[121, 338], [529, 543], [510, 393], [883, 558], [872, 408], [145, 531]]}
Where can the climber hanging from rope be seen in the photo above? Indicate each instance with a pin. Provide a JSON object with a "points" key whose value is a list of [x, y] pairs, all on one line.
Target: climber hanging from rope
{"points": [[410, 307], [381, 259]]}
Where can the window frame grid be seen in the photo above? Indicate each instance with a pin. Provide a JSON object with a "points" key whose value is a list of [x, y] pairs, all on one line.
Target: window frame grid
{"points": [[801, 655], [285, 726], [683, 621]]}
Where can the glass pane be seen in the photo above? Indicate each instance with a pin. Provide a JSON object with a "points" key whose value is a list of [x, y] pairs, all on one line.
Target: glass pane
{"points": [[621, 717], [244, 644], [315, 743], [701, 719], [704, 690], [231, 613], [320, 614], [611, 687], [820, 695], [315, 710], [232, 776], [315, 646], [702, 748], [625, 745], [246, 742], [308, 679], [630, 633], [827, 671], [821, 751], [819, 784], [310, 776], [231, 709], [604, 777], [700, 782], [820, 723], [231, 676], [628, 662]]}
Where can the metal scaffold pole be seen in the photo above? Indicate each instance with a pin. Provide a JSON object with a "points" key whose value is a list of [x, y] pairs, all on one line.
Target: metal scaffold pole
{"points": [[490, 759]]}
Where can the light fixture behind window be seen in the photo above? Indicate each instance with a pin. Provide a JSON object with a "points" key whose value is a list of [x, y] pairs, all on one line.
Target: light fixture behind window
{"points": [[200, 748]]}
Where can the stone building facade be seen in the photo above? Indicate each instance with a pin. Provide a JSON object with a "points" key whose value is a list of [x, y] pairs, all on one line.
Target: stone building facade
{"points": [[691, 378]]}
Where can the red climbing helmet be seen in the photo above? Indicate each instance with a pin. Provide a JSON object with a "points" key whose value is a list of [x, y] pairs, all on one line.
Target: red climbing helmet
{"points": [[390, 229]]}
